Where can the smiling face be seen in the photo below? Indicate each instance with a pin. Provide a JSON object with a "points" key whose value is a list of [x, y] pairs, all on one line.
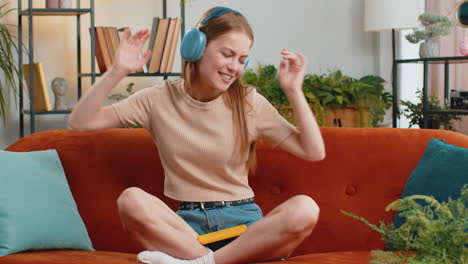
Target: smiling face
{"points": [[222, 63]]}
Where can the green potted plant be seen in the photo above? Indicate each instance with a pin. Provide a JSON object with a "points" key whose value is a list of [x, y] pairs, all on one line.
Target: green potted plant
{"points": [[265, 79], [432, 25], [434, 231], [335, 99], [414, 112], [374, 97], [9, 71], [353, 102]]}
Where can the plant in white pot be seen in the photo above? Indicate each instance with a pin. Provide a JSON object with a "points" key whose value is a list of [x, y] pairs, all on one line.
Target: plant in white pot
{"points": [[433, 25]]}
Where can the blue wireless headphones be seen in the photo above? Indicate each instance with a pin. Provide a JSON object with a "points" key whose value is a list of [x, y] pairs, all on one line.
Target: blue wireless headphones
{"points": [[193, 44]]}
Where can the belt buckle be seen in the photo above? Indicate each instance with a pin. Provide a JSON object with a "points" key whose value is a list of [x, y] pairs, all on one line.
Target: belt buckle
{"points": [[203, 207], [213, 205]]}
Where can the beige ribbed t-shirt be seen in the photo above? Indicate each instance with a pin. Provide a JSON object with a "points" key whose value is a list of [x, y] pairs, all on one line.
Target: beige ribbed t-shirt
{"points": [[196, 140]]}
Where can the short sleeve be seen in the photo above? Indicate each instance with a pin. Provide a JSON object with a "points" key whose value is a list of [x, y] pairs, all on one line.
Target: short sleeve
{"points": [[135, 110], [270, 125]]}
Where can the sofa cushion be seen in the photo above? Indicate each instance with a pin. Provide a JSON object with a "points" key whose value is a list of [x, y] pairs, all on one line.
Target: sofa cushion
{"points": [[441, 172], [101, 257], [37, 210]]}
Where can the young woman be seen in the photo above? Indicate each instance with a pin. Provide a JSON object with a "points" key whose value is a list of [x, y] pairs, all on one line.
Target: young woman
{"points": [[205, 127]]}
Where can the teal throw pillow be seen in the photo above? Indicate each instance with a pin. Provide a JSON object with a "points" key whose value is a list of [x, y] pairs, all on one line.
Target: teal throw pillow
{"points": [[441, 172], [37, 209]]}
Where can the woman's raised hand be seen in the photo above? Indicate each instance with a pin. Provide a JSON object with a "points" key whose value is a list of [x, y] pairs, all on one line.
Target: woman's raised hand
{"points": [[126, 59], [291, 71]]}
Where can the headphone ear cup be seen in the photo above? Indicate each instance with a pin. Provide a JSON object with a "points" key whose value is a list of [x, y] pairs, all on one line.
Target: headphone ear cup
{"points": [[193, 45]]}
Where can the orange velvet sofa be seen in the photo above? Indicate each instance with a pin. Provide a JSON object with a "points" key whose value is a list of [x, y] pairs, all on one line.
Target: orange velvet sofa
{"points": [[364, 170]]}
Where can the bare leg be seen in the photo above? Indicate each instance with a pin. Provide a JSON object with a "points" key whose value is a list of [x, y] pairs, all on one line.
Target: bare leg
{"points": [[275, 236], [156, 227]]}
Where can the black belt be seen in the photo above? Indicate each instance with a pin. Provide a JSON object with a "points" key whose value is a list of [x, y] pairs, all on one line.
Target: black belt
{"points": [[212, 205]]}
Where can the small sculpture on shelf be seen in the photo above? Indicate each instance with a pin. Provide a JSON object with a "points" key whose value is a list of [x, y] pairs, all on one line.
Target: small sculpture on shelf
{"points": [[59, 87]]}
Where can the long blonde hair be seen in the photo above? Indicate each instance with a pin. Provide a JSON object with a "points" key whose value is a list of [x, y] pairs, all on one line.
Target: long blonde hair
{"points": [[235, 97]]}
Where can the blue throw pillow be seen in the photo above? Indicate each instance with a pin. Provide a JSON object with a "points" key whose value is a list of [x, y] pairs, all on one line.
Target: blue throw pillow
{"points": [[441, 172], [37, 209]]}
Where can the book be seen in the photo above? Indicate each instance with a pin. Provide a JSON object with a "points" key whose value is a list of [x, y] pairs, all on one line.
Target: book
{"points": [[158, 46], [154, 30], [109, 45], [41, 96], [115, 39], [98, 52], [102, 49], [175, 41], [167, 45]]}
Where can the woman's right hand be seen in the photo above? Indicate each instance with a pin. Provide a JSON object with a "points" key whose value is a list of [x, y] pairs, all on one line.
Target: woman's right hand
{"points": [[126, 58]]}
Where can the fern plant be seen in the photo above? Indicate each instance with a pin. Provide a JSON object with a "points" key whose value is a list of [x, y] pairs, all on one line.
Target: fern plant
{"points": [[434, 233]]}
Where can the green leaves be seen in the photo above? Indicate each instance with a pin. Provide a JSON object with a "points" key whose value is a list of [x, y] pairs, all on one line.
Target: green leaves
{"points": [[414, 112], [8, 66], [434, 233], [266, 81], [337, 90], [332, 90], [433, 25]]}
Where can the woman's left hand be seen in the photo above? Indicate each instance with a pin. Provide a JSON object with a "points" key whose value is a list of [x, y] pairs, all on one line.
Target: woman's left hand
{"points": [[291, 71]]}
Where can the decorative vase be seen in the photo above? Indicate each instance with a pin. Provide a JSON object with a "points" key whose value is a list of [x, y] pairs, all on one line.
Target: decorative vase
{"points": [[428, 49], [65, 4], [52, 3], [464, 47]]}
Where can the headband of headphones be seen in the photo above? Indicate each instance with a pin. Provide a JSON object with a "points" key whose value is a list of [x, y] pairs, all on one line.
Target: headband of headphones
{"points": [[217, 13], [194, 42]]}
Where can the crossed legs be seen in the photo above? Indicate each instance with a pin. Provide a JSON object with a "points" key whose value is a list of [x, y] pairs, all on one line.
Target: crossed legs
{"points": [[157, 228]]}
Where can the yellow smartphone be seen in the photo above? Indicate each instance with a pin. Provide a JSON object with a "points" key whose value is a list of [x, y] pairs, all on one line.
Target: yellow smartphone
{"points": [[222, 234]]}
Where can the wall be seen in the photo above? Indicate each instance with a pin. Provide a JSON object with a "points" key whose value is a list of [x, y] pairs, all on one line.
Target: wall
{"points": [[329, 33]]}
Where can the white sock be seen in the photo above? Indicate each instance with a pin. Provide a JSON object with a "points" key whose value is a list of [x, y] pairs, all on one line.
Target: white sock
{"points": [[157, 257]]}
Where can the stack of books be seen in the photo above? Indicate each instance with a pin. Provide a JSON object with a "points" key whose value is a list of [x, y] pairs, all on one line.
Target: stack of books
{"points": [[165, 34], [106, 43], [164, 38]]}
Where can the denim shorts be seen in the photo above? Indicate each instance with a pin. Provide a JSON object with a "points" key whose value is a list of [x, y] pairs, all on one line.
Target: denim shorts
{"points": [[210, 220]]}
